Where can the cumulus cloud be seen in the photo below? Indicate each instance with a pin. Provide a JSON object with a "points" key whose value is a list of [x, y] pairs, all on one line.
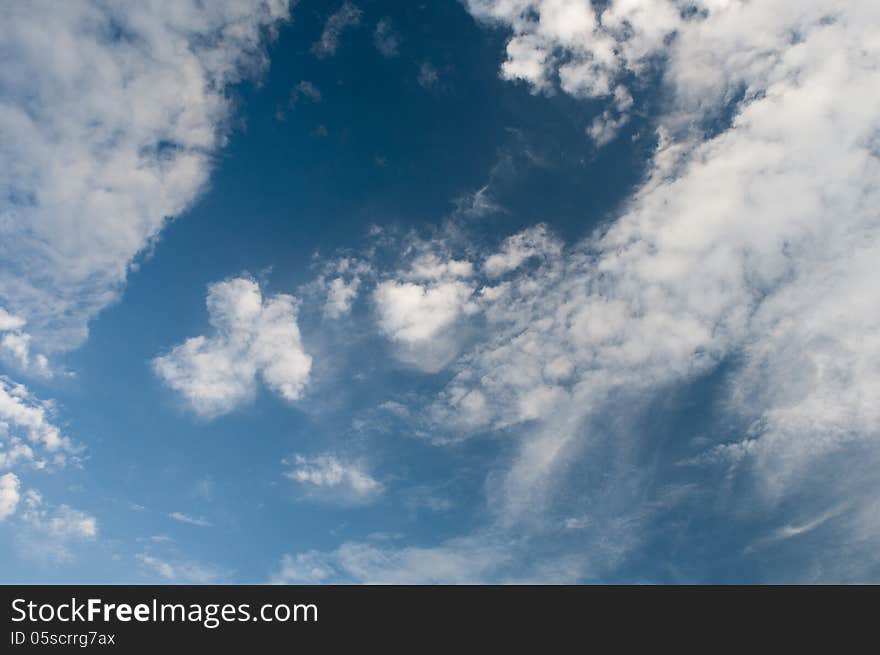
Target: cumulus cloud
{"points": [[27, 433], [595, 50], [585, 50], [110, 115], [30, 439], [411, 312], [9, 495], [326, 476], [346, 17], [341, 294], [254, 337], [15, 347], [341, 283], [419, 308]]}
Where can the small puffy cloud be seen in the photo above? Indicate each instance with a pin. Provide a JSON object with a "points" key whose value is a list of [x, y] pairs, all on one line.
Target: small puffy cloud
{"points": [[338, 285], [254, 337], [427, 298], [326, 476], [191, 520], [420, 310], [348, 16], [9, 495], [410, 312], [386, 39], [341, 294], [587, 48]]}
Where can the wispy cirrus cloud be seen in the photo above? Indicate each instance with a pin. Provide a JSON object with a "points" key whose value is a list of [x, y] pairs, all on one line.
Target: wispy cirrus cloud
{"points": [[180, 571], [181, 517]]}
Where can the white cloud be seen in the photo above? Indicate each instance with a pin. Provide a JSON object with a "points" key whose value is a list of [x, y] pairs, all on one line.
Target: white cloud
{"points": [[341, 294], [753, 240], [593, 51], [422, 306], [326, 476], [180, 571], [517, 249], [454, 563], [191, 520], [588, 51], [110, 115], [9, 495], [48, 532], [483, 558], [27, 433], [8, 322], [15, 347], [252, 337], [347, 16], [338, 285], [477, 204], [410, 312], [751, 243]]}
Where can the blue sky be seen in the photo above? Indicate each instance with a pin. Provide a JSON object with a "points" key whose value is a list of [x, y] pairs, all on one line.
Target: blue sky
{"points": [[484, 291]]}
